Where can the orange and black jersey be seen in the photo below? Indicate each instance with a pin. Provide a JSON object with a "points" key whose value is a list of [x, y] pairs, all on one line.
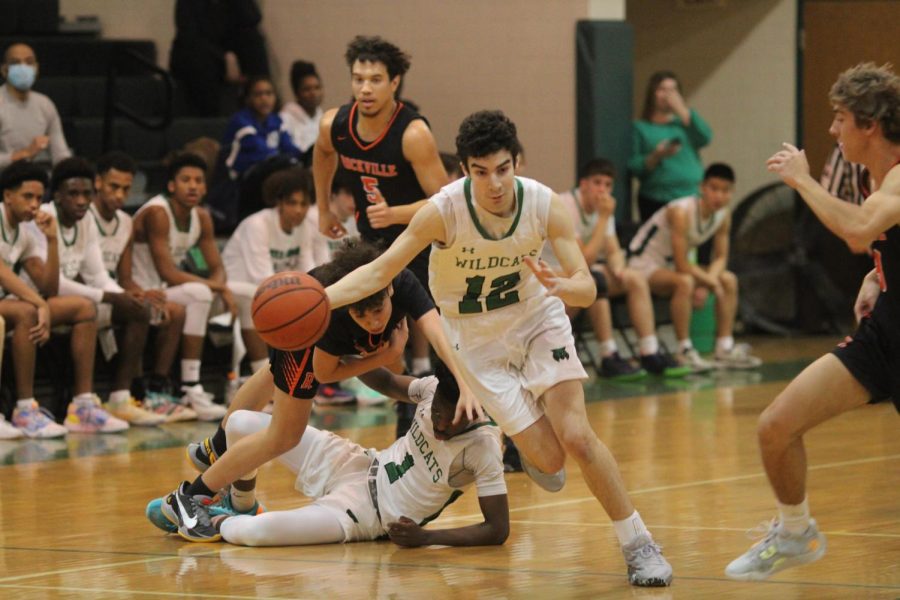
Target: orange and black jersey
{"points": [[886, 255], [293, 371], [376, 167]]}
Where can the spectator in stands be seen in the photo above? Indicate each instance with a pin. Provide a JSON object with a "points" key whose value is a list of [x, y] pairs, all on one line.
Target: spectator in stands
{"points": [[592, 208], [22, 185], [665, 145], [302, 118], [659, 251], [256, 132], [82, 274], [175, 251], [115, 175], [283, 238], [217, 43], [30, 127]]}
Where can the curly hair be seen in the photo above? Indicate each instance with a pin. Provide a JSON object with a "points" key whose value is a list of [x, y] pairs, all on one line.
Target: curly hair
{"points": [[281, 185], [485, 132], [21, 171], [73, 167], [352, 254], [872, 95], [375, 49]]}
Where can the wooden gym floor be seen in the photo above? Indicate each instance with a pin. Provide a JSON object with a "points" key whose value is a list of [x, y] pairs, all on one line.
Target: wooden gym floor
{"points": [[72, 511]]}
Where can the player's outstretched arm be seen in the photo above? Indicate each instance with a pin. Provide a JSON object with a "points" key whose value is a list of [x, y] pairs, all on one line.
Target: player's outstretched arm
{"points": [[574, 284], [858, 225], [492, 531], [468, 403], [390, 384], [426, 227]]}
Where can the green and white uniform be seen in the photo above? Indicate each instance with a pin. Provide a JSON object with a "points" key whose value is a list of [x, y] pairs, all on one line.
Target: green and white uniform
{"points": [[114, 236], [145, 274], [651, 247], [513, 340], [584, 226], [416, 476]]}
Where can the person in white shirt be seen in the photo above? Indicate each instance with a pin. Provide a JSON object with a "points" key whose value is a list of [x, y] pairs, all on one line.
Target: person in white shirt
{"points": [[592, 209], [302, 118], [115, 174], [24, 249], [283, 238], [660, 252], [171, 230], [83, 274]]}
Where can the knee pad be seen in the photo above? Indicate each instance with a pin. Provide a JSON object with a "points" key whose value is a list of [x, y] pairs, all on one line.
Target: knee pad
{"points": [[242, 423], [197, 292]]}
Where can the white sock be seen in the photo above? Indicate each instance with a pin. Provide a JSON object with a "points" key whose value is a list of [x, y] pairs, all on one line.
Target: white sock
{"points": [[190, 370], [86, 398], [724, 344], [648, 345], [685, 345], [257, 365], [25, 403], [629, 528], [119, 396], [794, 517], [421, 365], [608, 348]]}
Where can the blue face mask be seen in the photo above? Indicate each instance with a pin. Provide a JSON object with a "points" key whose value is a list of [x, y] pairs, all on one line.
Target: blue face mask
{"points": [[21, 76]]}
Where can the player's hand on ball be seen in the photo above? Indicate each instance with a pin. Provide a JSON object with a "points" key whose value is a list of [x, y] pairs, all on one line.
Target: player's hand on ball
{"points": [[407, 532], [790, 163]]}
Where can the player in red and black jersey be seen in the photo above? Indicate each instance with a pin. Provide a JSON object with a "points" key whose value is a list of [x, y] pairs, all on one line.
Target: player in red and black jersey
{"points": [[866, 367], [360, 339], [386, 153]]}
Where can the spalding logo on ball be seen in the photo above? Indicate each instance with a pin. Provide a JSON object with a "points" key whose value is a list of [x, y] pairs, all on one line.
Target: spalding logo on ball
{"points": [[291, 310]]}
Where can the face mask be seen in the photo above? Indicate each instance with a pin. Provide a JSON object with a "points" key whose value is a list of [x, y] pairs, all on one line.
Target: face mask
{"points": [[21, 76]]}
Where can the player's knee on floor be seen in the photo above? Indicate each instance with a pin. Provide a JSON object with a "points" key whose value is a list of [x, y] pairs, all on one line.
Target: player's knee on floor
{"points": [[242, 423]]}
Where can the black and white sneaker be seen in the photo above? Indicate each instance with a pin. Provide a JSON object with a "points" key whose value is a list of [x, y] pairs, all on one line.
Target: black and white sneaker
{"points": [[191, 515], [202, 454]]}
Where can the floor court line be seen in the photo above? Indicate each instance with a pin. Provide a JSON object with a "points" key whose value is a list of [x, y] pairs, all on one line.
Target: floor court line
{"points": [[131, 592], [677, 486]]}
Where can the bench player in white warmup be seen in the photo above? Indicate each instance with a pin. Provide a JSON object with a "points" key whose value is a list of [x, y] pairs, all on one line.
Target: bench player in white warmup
{"points": [[512, 338]]}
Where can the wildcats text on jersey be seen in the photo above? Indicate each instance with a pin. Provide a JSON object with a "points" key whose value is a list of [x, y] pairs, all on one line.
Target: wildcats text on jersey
{"points": [[369, 168], [491, 262], [419, 441]]}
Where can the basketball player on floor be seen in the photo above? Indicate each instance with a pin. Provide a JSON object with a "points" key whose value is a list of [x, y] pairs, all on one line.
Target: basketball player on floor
{"points": [[866, 367], [503, 312], [166, 228], [355, 500], [368, 334], [115, 174], [22, 185], [386, 153]]}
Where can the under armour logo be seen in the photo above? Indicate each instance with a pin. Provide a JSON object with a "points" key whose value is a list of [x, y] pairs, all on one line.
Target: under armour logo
{"points": [[468, 249], [560, 354]]}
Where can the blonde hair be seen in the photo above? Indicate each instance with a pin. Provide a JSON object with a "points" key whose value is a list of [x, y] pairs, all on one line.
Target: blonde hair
{"points": [[872, 95]]}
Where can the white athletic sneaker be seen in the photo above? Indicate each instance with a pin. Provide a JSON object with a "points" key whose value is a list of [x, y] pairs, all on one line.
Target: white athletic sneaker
{"points": [[777, 550], [689, 357], [8, 431], [646, 565], [132, 412], [202, 403], [37, 422], [738, 357]]}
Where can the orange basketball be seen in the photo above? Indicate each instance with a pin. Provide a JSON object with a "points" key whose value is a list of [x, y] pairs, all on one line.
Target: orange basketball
{"points": [[290, 310]]}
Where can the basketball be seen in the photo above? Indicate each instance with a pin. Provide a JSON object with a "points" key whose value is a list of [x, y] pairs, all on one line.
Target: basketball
{"points": [[290, 310]]}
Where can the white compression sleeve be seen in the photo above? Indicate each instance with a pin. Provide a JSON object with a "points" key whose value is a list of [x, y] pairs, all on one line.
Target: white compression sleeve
{"points": [[307, 525]]}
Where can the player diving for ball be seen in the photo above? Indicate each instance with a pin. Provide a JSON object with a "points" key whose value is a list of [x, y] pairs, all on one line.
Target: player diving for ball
{"points": [[364, 494]]}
